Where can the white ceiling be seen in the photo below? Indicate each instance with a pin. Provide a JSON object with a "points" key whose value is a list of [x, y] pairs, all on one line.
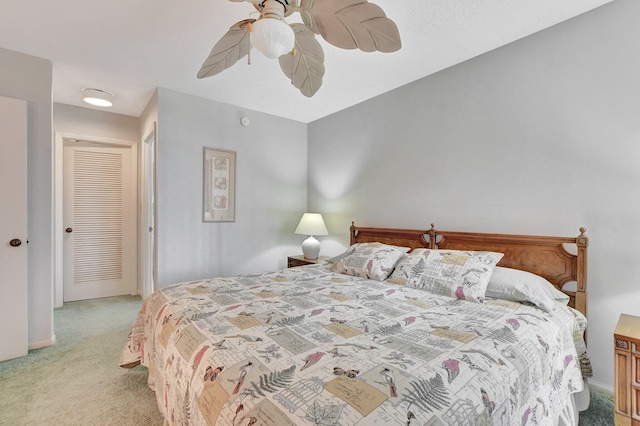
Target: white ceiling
{"points": [[130, 47]]}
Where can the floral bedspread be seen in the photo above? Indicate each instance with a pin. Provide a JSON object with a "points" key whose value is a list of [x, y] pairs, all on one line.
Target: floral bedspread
{"points": [[309, 346]]}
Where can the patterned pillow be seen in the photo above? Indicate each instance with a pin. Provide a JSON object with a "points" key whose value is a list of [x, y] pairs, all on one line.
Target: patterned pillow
{"points": [[454, 273], [369, 260]]}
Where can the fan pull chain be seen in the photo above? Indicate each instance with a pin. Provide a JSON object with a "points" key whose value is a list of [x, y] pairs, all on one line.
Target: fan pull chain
{"points": [[249, 28], [293, 62]]}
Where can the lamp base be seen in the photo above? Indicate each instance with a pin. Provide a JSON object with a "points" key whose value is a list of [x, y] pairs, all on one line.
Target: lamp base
{"points": [[311, 248]]}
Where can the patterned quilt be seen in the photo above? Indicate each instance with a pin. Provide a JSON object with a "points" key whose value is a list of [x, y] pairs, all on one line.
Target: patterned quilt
{"points": [[310, 346]]}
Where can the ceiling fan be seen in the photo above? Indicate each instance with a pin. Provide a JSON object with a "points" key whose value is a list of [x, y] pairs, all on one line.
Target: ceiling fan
{"points": [[347, 24]]}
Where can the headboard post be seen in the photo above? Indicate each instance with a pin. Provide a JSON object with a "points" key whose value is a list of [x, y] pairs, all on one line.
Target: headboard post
{"points": [[432, 236], [352, 233], [581, 274]]}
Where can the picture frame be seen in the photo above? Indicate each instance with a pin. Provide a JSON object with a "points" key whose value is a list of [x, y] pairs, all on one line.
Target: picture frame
{"points": [[219, 185]]}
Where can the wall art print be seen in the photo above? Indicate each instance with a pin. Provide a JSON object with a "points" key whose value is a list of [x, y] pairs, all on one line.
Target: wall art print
{"points": [[219, 186]]}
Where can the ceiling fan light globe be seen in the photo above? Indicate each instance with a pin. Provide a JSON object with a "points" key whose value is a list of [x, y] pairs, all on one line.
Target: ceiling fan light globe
{"points": [[272, 37]]}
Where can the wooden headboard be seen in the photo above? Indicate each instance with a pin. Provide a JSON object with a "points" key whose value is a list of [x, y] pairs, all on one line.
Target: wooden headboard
{"points": [[414, 238], [544, 256]]}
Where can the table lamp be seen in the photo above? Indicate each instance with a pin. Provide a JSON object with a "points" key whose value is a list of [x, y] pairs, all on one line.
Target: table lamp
{"points": [[311, 224]]}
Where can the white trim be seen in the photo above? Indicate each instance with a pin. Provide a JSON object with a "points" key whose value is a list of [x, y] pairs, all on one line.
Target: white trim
{"points": [[58, 156], [43, 343], [600, 387]]}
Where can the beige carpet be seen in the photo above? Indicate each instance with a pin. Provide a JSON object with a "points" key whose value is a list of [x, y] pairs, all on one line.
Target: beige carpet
{"points": [[77, 381]]}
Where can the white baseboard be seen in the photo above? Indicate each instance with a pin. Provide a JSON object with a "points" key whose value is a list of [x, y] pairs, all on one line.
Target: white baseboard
{"points": [[43, 343], [600, 387]]}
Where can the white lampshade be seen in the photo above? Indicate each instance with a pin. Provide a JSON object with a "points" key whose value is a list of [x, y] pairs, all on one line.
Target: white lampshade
{"points": [[311, 224], [98, 97], [272, 37]]}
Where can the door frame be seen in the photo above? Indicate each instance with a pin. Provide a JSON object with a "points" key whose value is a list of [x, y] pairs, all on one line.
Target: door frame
{"points": [[147, 253], [58, 205]]}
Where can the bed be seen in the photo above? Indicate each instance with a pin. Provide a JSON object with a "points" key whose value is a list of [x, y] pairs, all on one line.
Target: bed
{"points": [[412, 327]]}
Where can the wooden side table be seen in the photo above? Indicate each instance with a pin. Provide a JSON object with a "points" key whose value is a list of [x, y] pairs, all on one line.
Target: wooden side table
{"points": [[627, 371], [293, 261]]}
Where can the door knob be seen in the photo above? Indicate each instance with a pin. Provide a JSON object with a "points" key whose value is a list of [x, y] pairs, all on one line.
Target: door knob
{"points": [[68, 230], [15, 242]]}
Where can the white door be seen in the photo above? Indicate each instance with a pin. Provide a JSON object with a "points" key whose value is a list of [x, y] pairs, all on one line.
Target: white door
{"points": [[100, 222], [13, 228]]}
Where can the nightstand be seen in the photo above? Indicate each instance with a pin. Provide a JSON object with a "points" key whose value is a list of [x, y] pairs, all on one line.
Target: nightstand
{"points": [[627, 371], [293, 261]]}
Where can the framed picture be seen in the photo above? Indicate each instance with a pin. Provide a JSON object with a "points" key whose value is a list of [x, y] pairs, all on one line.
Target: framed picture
{"points": [[219, 186]]}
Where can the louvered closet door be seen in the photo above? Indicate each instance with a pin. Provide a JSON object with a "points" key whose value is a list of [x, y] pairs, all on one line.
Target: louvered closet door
{"points": [[100, 234]]}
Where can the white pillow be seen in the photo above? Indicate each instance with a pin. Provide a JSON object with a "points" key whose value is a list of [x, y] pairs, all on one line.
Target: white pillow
{"points": [[522, 286]]}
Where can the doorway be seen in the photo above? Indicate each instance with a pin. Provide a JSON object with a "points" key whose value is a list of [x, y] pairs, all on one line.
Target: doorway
{"points": [[95, 253]]}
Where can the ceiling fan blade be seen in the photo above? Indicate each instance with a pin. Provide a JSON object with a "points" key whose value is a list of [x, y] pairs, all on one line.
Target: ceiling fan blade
{"points": [[305, 67], [352, 24], [228, 50]]}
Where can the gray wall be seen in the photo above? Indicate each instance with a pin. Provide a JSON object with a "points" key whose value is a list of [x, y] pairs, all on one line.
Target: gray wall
{"points": [[91, 122], [539, 137], [271, 186], [29, 78]]}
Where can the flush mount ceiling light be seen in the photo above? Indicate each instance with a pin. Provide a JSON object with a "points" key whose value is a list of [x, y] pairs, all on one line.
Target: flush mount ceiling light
{"points": [[97, 97], [347, 24]]}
